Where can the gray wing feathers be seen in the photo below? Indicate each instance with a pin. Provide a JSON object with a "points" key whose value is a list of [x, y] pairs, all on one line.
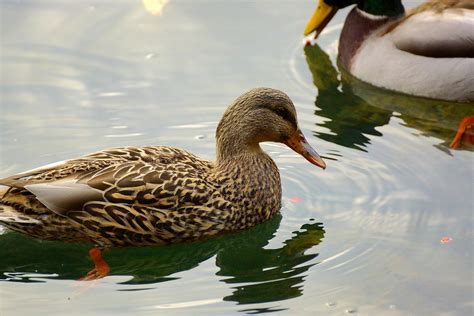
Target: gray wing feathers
{"points": [[64, 195]]}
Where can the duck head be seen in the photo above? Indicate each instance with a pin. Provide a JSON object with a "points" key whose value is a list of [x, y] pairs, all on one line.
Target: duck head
{"points": [[326, 9], [259, 115]]}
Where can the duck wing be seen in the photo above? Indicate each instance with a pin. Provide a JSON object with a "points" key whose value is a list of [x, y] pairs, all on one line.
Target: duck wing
{"points": [[444, 33], [153, 176]]}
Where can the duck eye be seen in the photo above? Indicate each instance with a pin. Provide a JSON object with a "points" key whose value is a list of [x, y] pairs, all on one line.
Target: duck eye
{"points": [[285, 114], [282, 112]]}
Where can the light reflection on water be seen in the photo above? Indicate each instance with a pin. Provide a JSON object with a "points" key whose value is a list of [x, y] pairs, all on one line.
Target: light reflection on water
{"points": [[109, 75]]}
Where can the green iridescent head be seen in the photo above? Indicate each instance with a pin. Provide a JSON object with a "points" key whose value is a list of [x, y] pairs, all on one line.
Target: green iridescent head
{"points": [[326, 9]]}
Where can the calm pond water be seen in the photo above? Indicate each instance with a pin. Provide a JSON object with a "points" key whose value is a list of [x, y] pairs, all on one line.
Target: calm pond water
{"points": [[362, 237]]}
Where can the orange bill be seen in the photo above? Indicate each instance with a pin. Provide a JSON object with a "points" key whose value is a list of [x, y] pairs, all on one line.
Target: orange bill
{"points": [[298, 143]]}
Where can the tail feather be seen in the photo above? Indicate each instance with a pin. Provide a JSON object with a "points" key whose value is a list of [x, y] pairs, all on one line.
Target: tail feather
{"points": [[8, 214], [3, 191]]}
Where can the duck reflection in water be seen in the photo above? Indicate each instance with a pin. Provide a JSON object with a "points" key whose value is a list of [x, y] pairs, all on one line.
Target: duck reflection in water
{"points": [[255, 273], [356, 109]]}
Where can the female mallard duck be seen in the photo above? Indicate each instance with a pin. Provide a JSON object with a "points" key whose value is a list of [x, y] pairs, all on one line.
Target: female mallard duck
{"points": [[427, 52], [135, 196]]}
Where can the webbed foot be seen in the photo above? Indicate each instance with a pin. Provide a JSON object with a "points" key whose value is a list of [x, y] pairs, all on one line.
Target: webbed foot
{"points": [[465, 134], [101, 268]]}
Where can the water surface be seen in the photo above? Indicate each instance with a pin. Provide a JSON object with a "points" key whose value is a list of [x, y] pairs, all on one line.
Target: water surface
{"points": [[386, 229]]}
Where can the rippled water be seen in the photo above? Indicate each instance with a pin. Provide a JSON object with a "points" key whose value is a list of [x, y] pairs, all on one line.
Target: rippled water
{"points": [[386, 229]]}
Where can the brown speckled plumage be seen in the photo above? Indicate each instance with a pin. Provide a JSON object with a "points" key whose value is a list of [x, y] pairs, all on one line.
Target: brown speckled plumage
{"points": [[138, 196]]}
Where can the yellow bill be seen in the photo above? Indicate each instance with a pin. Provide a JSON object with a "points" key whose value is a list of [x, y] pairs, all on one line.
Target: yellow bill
{"points": [[320, 18]]}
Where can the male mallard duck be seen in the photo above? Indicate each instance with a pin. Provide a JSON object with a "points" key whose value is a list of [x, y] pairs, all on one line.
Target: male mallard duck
{"points": [[138, 196], [427, 52], [356, 110]]}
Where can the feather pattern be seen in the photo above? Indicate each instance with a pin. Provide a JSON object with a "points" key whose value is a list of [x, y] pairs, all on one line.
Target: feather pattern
{"points": [[138, 196]]}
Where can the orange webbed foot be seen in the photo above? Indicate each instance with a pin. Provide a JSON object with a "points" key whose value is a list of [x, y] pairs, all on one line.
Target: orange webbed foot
{"points": [[101, 268], [465, 134]]}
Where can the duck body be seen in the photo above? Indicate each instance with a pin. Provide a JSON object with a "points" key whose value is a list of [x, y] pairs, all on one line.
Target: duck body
{"points": [[138, 196], [142, 196], [428, 51]]}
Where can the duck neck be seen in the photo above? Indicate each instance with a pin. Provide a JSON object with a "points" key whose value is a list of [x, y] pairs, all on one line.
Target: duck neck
{"points": [[235, 139], [235, 149], [359, 25], [249, 178]]}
